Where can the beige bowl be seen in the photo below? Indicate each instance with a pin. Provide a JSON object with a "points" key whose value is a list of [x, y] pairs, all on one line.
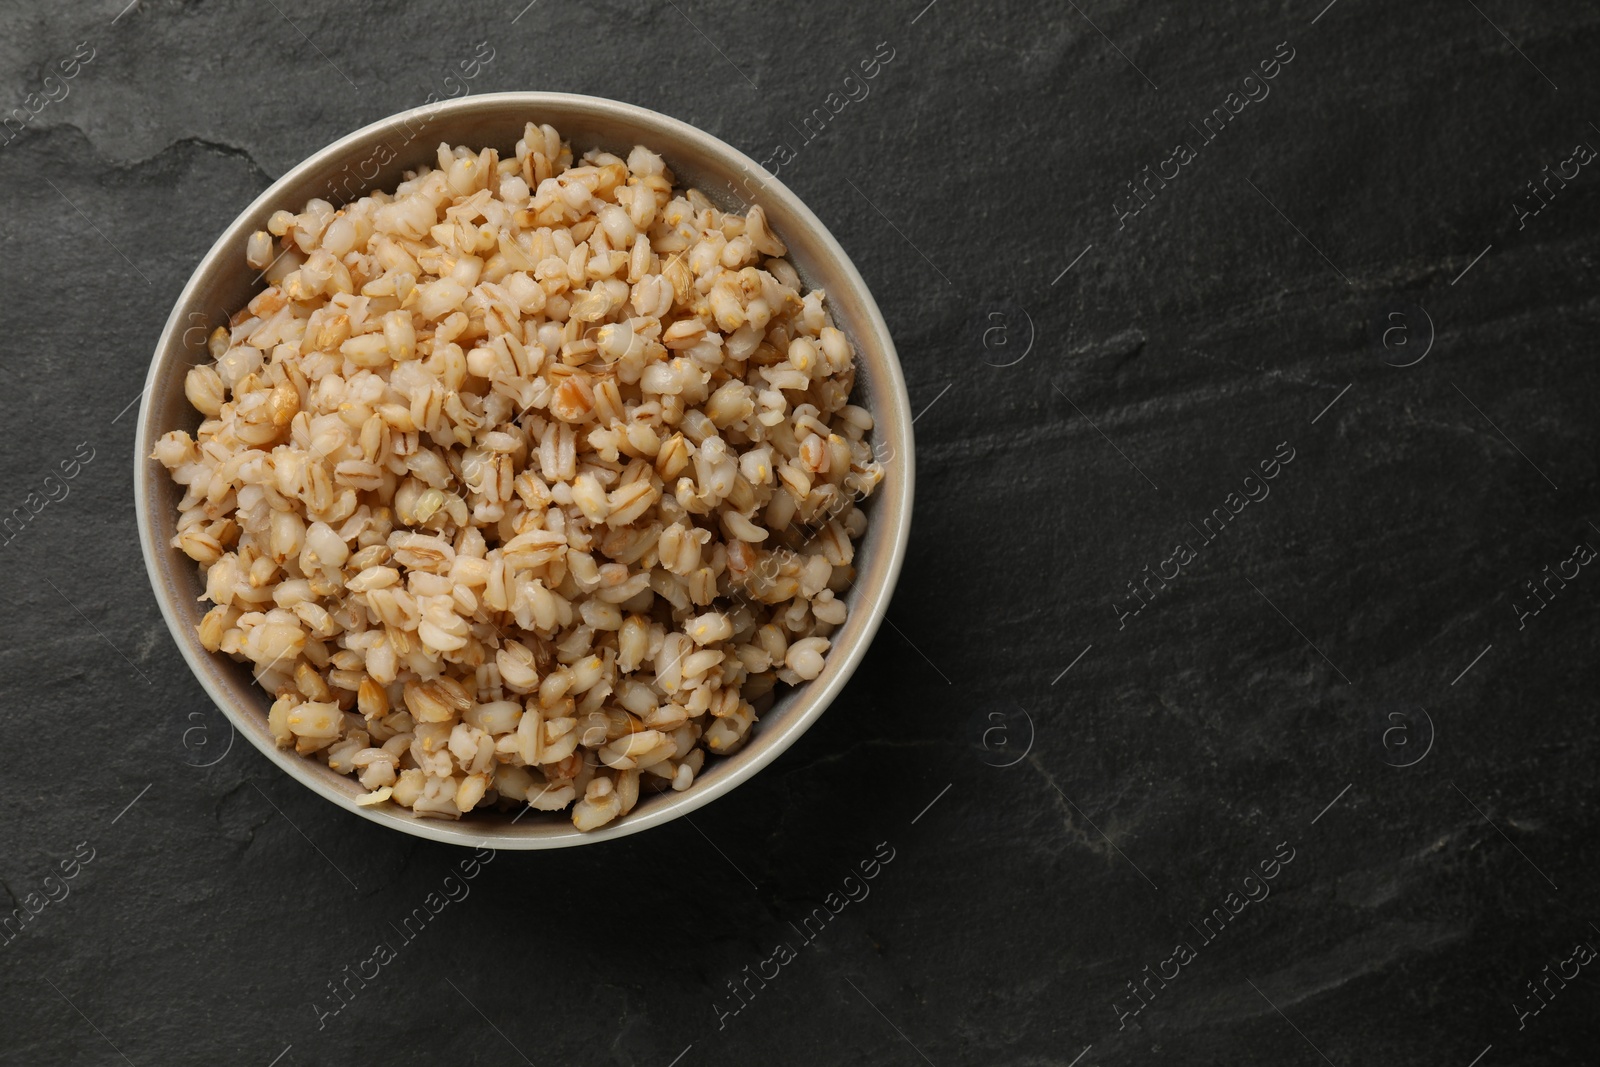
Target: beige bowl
{"points": [[374, 158]]}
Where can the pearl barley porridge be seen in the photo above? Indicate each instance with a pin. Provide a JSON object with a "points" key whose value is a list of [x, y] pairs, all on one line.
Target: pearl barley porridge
{"points": [[524, 484]]}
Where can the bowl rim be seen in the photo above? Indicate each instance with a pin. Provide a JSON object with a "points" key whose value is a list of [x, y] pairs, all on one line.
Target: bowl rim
{"points": [[890, 401]]}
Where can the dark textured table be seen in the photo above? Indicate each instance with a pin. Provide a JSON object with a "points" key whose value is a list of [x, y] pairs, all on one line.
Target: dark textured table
{"points": [[1236, 705]]}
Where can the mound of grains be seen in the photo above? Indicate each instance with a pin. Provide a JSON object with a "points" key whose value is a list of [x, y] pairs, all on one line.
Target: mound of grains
{"points": [[524, 484]]}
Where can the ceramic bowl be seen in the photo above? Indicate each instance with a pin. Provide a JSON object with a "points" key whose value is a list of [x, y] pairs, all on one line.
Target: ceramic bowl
{"points": [[375, 158]]}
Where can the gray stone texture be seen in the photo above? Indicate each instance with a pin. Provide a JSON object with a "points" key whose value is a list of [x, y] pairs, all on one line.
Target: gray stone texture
{"points": [[1093, 818]]}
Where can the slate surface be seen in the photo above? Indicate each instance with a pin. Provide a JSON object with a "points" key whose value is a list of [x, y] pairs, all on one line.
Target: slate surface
{"points": [[1343, 675]]}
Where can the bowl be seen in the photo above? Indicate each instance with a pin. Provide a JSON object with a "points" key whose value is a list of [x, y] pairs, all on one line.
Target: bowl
{"points": [[375, 157]]}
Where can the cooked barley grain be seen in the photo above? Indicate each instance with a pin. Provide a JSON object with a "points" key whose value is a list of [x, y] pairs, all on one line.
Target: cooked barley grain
{"points": [[525, 483]]}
